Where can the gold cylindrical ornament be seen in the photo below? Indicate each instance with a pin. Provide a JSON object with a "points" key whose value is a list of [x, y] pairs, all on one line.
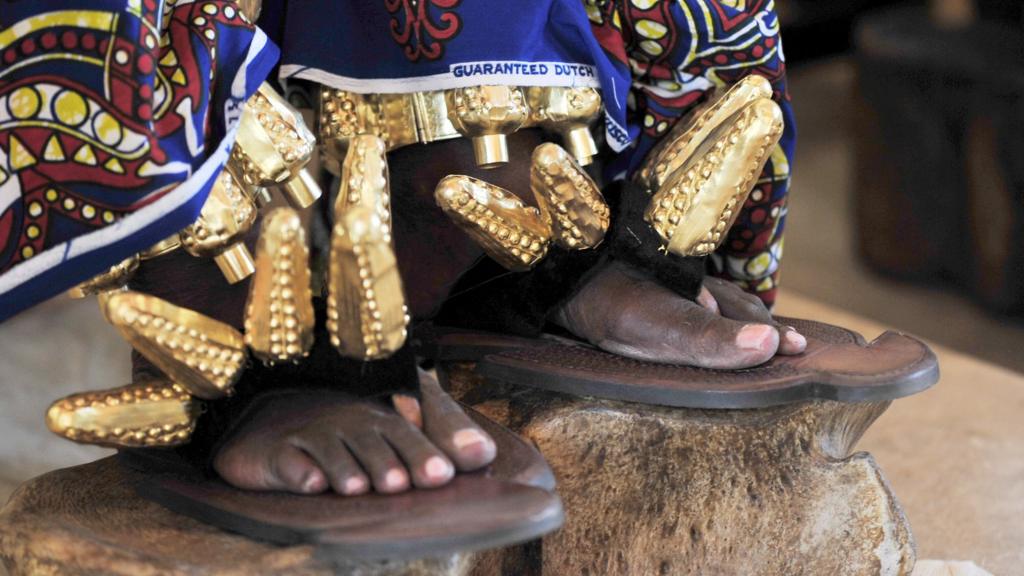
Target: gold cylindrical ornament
{"points": [[202, 354], [273, 146], [569, 199], [694, 209], [488, 114], [225, 219], [569, 112], [366, 313], [513, 234], [154, 413], [113, 279], [279, 315], [676, 147]]}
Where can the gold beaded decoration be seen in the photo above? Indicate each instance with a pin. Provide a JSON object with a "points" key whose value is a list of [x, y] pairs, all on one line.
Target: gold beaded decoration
{"points": [[221, 227], [279, 316], [113, 279], [154, 413], [487, 114], [676, 148], [513, 234], [698, 203], [201, 354], [569, 200], [273, 148], [366, 313], [569, 112]]}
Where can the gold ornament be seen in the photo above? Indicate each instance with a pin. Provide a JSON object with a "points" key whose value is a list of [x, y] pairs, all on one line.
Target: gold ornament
{"points": [[487, 114], [569, 112], [220, 230], [676, 148], [699, 201], [366, 313], [511, 233], [165, 246], [569, 200], [251, 9], [279, 312], [154, 413], [113, 279], [273, 148], [202, 354]]}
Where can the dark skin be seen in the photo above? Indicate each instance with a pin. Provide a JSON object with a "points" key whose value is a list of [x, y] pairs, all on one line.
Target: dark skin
{"points": [[315, 442]]}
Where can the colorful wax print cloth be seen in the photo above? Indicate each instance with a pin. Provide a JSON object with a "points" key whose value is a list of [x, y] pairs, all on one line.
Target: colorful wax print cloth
{"points": [[115, 118], [653, 60], [401, 46], [677, 52]]}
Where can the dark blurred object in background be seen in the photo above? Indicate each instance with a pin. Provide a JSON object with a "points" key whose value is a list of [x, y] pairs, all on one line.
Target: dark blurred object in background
{"points": [[939, 162], [817, 28]]}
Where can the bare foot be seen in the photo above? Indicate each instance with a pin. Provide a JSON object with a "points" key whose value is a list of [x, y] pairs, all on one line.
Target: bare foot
{"points": [[624, 311], [310, 442]]}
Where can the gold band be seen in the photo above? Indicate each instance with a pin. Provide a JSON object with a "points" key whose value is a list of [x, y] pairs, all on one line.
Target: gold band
{"points": [[487, 114]]}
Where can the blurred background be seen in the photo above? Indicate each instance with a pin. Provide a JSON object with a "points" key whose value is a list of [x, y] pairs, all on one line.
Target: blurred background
{"points": [[906, 212]]}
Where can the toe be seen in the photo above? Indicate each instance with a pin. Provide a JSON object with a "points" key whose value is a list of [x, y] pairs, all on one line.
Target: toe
{"points": [[294, 471], [334, 459], [408, 407], [386, 470], [451, 430], [427, 464], [791, 342]]}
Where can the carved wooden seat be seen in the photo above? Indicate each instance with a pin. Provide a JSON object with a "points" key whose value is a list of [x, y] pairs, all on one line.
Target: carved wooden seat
{"points": [[673, 470], [104, 518]]}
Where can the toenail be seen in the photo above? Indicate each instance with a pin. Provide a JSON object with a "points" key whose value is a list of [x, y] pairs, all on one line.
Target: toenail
{"points": [[311, 483], [796, 339], [354, 485], [395, 478], [468, 437], [753, 336], [437, 467]]}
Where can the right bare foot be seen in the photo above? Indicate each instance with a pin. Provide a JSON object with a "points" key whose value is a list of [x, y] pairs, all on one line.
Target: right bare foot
{"points": [[309, 442]]}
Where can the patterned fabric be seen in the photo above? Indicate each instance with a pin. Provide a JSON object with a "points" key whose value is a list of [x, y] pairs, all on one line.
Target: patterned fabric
{"points": [[115, 117], [401, 46], [678, 50]]}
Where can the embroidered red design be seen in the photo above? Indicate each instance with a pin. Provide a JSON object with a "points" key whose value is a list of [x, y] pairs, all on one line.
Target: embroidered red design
{"points": [[418, 31]]}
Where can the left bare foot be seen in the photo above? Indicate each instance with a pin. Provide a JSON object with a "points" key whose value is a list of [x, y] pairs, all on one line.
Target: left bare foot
{"points": [[624, 311]]}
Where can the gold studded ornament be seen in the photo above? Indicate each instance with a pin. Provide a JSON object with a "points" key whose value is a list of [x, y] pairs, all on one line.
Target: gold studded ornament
{"points": [[570, 201], [272, 149], [220, 230], [154, 413], [569, 112], [201, 354], [487, 114], [511, 233], [698, 202], [113, 279], [681, 143], [366, 313], [279, 316]]}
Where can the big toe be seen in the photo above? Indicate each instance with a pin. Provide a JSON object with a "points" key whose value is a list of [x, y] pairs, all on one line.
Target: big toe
{"points": [[451, 430], [285, 468]]}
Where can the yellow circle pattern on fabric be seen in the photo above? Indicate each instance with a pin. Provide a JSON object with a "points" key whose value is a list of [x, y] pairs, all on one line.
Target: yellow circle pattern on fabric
{"points": [[70, 108], [24, 103]]}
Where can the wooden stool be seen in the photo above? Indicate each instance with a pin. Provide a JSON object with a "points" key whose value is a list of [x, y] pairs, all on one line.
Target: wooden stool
{"points": [[652, 490], [93, 519], [88, 520]]}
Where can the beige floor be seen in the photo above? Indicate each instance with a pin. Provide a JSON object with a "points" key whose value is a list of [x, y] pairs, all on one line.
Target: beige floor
{"points": [[953, 455]]}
